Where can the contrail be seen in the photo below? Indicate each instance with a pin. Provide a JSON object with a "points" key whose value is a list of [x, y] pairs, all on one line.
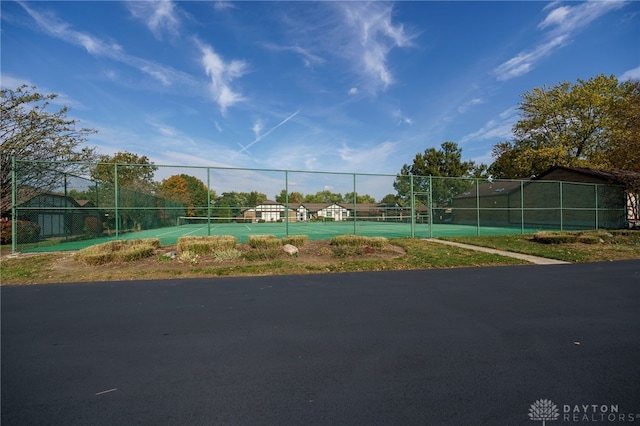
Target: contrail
{"points": [[259, 138]]}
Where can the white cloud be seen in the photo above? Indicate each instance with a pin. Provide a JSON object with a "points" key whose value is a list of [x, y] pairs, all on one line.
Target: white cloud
{"points": [[98, 47], [10, 82], [159, 15], [61, 99], [465, 106], [222, 74], [368, 155], [632, 74], [499, 128], [400, 118], [224, 5], [525, 61], [556, 17], [372, 35], [353, 91], [257, 128], [308, 59], [561, 24]]}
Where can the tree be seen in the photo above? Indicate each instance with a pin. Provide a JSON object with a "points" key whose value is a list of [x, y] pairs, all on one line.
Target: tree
{"points": [[253, 198], [592, 123], [390, 199], [175, 189], [325, 196], [134, 171], [190, 191], [360, 199], [135, 187], [29, 131], [442, 164], [624, 149], [294, 197]]}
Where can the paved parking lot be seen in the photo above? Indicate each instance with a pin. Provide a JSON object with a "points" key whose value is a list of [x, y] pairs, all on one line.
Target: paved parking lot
{"points": [[468, 346]]}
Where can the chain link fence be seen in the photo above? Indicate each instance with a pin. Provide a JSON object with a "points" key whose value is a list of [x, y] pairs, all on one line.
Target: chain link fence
{"points": [[60, 206]]}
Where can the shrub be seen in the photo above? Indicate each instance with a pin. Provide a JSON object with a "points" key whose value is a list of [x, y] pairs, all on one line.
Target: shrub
{"points": [[264, 242], [28, 232], [546, 237], [206, 245], [589, 237], [354, 245], [263, 253], [189, 257], [295, 240], [225, 255], [117, 251], [359, 241], [347, 250], [92, 226]]}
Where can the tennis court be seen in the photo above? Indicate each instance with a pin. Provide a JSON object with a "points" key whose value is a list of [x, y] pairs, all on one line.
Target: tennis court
{"points": [[54, 210], [313, 230]]}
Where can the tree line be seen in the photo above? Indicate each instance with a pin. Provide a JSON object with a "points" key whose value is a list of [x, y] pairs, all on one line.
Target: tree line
{"points": [[591, 124]]}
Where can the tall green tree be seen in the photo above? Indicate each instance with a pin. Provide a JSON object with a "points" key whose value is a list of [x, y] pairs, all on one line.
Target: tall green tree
{"points": [[433, 174], [135, 187], [133, 171], [294, 197], [325, 196], [29, 130], [188, 190], [624, 148], [592, 123], [360, 199]]}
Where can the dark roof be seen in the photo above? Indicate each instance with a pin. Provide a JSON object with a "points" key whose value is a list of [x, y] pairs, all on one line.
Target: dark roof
{"points": [[613, 176], [497, 187]]}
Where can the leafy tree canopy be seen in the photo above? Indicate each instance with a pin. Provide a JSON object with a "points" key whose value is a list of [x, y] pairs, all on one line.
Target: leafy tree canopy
{"points": [[592, 123], [29, 130], [134, 171], [187, 190], [445, 162]]}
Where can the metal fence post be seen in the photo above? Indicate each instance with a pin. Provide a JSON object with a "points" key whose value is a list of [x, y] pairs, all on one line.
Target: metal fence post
{"points": [[561, 206], [522, 207], [430, 206], [116, 195], [597, 219], [208, 201], [355, 201], [413, 206], [477, 207], [286, 202], [14, 201]]}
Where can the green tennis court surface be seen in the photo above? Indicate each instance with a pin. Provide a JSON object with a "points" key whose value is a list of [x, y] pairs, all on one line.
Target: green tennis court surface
{"points": [[314, 230]]}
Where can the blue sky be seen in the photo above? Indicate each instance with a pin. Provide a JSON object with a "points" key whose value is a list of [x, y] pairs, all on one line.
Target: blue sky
{"points": [[319, 86]]}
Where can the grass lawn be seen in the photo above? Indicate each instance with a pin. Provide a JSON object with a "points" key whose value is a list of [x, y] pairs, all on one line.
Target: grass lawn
{"points": [[589, 246]]}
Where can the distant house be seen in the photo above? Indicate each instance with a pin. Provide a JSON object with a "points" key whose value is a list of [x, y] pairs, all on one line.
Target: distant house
{"points": [[268, 211], [57, 214], [557, 197]]}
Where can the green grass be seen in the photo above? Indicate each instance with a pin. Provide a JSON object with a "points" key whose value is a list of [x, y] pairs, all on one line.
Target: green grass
{"points": [[583, 246], [26, 269]]}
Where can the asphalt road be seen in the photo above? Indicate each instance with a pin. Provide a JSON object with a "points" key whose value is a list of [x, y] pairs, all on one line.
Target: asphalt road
{"points": [[476, 346]]}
